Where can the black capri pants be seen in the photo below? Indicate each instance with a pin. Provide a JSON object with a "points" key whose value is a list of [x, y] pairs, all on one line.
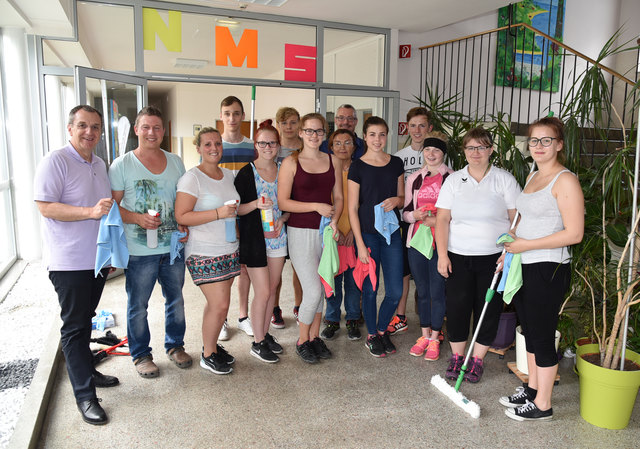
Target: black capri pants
{"points": [[544, 285], [466, 289]]}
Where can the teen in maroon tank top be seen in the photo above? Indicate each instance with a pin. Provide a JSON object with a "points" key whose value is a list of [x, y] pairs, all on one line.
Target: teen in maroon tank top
{"points": [[307, 182]]}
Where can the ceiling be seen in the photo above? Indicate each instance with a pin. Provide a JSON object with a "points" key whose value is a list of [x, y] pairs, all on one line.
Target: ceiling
{"points": [[51, 17]]}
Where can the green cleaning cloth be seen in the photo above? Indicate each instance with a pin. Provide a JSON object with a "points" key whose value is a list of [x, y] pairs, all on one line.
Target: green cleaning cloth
{"points": [[423, 241], [329, 261]]}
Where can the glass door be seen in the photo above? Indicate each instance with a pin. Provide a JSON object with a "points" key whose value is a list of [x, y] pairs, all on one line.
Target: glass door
{"points": [[385, 104], [119, 97]]}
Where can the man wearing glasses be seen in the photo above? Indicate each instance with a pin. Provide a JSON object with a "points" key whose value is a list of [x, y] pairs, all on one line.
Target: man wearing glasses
{"points": [[346, 118], [72, 193]]}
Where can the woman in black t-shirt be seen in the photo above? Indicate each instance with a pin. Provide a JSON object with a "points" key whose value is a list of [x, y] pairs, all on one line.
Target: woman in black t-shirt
{"points": [[377, 178]]}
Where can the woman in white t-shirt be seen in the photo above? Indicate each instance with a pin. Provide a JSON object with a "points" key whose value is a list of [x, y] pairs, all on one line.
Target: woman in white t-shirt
{"points": [[475, 206], [211, 259]]}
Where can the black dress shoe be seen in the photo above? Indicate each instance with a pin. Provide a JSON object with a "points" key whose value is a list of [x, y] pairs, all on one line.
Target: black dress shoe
{"points": [[103, 381], [92, 412]]}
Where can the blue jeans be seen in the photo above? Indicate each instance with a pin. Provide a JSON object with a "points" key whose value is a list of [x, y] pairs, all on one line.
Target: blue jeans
{"points": [[351, 298], [390, 257], [430, 289], [142, 274]]}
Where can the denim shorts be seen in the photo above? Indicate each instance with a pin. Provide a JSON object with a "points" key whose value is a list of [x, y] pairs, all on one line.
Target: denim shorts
{"points": [[206, 270]]}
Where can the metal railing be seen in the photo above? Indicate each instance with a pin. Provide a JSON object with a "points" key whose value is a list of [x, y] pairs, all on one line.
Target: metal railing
{"points": [[490, 73]]}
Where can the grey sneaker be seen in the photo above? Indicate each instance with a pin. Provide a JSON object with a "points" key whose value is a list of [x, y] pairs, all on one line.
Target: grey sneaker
{"points": [[330, 330]]}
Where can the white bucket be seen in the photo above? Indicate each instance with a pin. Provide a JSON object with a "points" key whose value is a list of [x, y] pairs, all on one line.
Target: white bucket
{"points": [[521, 350]]}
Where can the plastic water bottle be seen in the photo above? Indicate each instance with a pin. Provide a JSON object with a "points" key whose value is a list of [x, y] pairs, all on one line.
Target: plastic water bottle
{"points": [[230, 224], [152, 234], [267, 217]]}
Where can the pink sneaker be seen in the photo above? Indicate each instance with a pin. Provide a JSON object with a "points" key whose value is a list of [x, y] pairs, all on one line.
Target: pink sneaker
{"points": [[421, 345], [433, 350]]}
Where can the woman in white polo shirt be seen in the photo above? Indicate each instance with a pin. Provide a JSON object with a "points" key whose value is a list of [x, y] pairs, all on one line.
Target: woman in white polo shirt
{"points": [[475, 206]]}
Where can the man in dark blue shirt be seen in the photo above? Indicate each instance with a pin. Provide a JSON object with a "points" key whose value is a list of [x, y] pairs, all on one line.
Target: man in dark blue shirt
{"points": [[346, 118]]}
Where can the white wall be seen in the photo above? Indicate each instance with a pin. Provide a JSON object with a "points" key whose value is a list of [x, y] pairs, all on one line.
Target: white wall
{"points": [[588, 25]]}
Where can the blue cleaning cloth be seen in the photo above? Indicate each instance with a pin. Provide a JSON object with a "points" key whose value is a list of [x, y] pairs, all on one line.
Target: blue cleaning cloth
{"points": [[511, 279], [386, 223], [176, 245], [324, 222], [111, 243]]}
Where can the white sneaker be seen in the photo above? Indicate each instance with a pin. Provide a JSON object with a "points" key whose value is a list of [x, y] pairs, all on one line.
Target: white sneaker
{"points": [[224, 332], [245, 325]]}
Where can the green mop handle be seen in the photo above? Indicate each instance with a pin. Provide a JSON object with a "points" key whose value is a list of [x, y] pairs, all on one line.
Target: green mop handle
{"points": [[253, 110]]}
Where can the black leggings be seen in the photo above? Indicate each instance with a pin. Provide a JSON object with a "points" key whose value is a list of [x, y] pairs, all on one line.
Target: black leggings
{"points": [[466, 288], [544, 285]]}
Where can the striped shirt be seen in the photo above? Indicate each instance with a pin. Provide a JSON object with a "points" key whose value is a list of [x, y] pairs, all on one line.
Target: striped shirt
{"points": [[237, 155]]}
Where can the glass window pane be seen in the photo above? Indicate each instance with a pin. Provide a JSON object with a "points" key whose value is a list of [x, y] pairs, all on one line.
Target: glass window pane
{"points": [[365, 107], [7, 244], [59, 100], [119, 114], [353, 57], [199, 44], [106, 40]]}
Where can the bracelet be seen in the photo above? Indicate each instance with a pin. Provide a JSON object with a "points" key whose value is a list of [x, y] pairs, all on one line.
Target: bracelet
{"points": [[217, 215]]}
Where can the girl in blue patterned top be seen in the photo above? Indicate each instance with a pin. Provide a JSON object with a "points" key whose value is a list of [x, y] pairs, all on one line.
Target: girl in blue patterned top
{"points": [[262, 252]]}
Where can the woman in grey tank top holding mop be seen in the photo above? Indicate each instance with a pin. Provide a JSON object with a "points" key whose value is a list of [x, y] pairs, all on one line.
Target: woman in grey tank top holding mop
{"points": [[551, 207]]}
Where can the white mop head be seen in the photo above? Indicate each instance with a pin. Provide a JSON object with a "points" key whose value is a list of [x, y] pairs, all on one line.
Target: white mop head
{"points": [[458, 398]]}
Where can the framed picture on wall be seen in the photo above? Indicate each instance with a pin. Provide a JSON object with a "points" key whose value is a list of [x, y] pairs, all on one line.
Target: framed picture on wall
{"points": [[523, 58]]}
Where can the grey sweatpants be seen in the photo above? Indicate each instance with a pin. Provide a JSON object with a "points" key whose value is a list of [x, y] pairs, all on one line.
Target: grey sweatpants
{"points": [[305, 250]]}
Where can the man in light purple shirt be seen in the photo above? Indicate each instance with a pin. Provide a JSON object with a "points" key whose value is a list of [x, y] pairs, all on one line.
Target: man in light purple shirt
{"points": [[72, 192]]}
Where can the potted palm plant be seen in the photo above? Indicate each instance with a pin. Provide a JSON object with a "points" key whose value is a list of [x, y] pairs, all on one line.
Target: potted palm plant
{"points": [[605, 285]]}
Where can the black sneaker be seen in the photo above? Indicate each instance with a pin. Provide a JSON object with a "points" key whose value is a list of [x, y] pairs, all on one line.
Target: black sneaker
{"points": [[353, 332], [306, 353], [389, 347], [276, 319], [320, 349], [375, 346], [520, 397], [330, 331], [261, 351], [529, 412], [224, 355], [215, 364], [273, 343]]}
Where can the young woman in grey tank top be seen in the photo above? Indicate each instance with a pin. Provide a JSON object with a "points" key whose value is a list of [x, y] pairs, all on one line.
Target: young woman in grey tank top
{"points": [[551, 207]]}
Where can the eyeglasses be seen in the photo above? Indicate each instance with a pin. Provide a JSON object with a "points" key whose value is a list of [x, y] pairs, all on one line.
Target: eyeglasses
{"points": [[342, 118], [479, 148], [337, 143], [262, 144], [545, 141], [310, 132]]}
